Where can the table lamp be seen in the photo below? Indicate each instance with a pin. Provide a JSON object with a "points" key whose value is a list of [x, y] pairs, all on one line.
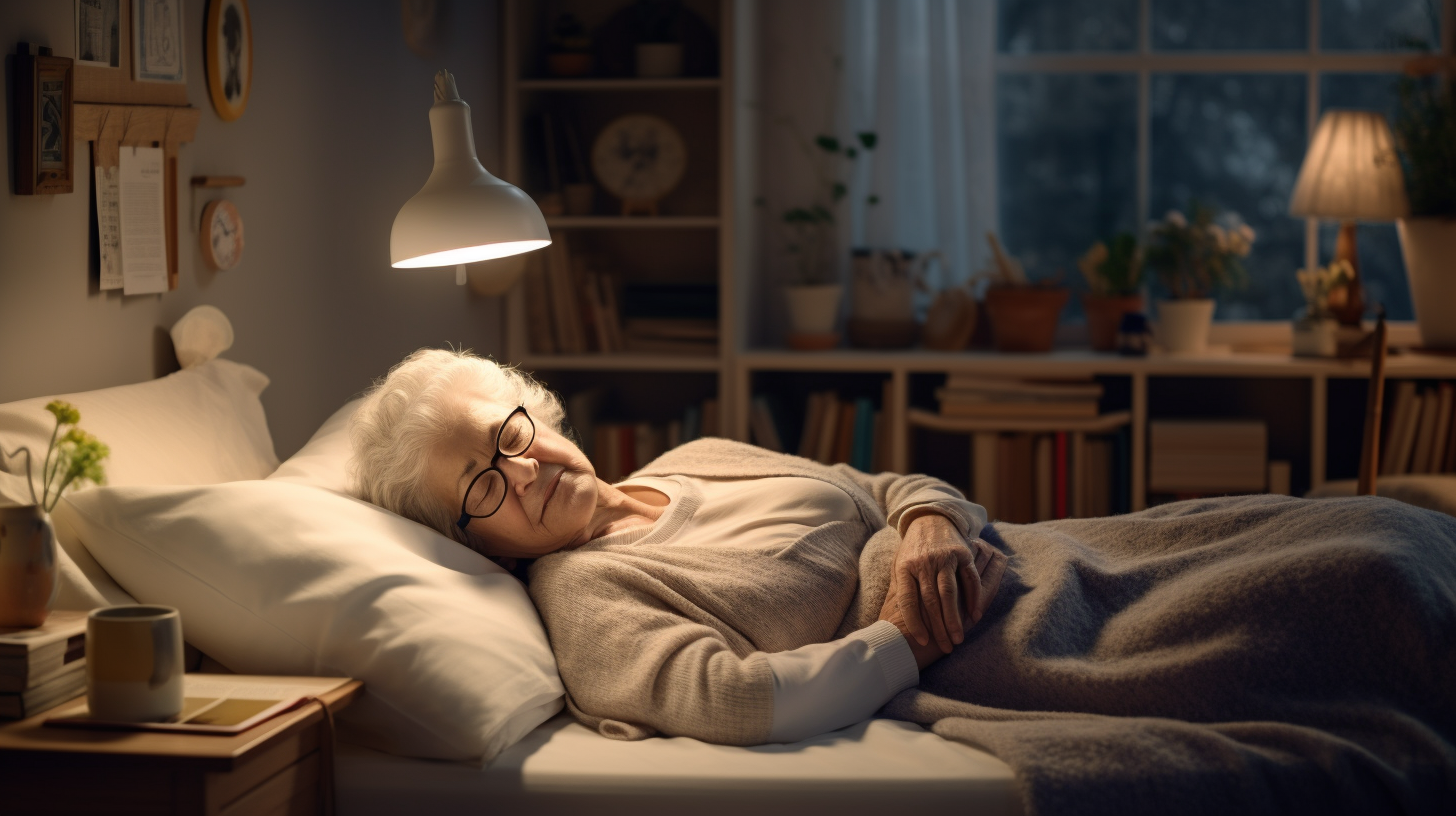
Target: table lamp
{"points": [[463, 214], [1350, 173]]}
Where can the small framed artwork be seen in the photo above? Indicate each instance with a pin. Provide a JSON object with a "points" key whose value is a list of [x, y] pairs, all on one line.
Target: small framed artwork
{"points": [[228, 48], [43, 123], [156, 38], [98, 33]]}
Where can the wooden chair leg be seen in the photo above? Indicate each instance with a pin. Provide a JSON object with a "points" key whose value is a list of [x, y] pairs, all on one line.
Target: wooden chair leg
{"points": [[1375, 401]]}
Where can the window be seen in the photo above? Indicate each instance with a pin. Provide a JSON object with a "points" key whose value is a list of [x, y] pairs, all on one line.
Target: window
{"points": [[1111, 112]]}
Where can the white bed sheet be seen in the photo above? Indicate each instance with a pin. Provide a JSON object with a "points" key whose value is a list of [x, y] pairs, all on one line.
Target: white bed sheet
{"points": [[876, 767]]}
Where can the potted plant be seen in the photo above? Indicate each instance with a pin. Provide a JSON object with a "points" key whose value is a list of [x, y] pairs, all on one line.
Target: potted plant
{"points": [[1425, 138], [27, 540], [569, 51], [1316, 331], [813, 289], [1114, 273], [1023, 315], [1193, 258]]}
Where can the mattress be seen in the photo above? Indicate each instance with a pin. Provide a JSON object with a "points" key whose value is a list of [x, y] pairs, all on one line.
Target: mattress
{"points": [[875, 767]]}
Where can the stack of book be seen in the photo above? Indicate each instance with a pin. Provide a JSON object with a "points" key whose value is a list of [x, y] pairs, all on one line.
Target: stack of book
{"points": [[619, 448], [971, 395], [44, 666], [1419, 436], [671, 335], [1191, 457], [835, 430]]}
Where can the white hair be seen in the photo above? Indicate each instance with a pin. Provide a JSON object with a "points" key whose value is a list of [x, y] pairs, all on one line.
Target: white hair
{"points": [[420, 404]]}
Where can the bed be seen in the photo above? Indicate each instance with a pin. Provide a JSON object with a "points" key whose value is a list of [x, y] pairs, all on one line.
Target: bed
{"points": [[277, 570], [195, 444]]}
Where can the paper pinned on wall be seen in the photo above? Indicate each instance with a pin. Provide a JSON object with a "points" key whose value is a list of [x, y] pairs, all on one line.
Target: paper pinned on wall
{"points": [[142, 193], [108, 225]]}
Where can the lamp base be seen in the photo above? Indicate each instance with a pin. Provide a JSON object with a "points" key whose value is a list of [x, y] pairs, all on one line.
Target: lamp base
{"points": [[459, 274], [1347, 303]]}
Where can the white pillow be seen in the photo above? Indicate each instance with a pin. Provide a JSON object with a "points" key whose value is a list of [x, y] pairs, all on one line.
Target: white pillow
{"points": [[324, 460], [280, 578], [198, 426]]}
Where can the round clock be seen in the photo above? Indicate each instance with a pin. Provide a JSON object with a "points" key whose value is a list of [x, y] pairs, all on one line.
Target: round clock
{"points": [[222, 235], [639, 159]]}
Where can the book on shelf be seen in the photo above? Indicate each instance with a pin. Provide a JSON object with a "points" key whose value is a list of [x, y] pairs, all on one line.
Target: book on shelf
{"points": [[969, 383], [1061, 409], [1022, 477], [1444, 399], [1402, 415], [217, 704], [861, 452], [984, 454], [617, 448], [761, 424], [969, 396], [31, 655], [1044, 475]]}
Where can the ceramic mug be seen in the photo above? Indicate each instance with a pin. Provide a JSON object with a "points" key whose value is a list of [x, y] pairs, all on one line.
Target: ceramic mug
{"points": [[134, 663]]}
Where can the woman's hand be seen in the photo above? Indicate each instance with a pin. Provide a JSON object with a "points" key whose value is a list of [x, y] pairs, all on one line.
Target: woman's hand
{"points": [[933, 566]]}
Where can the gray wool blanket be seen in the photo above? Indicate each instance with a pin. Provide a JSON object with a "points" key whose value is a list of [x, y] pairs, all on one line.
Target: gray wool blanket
{"points": [[1241, 655]]}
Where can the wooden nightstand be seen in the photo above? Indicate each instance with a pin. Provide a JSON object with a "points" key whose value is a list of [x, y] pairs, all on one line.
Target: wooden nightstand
{"points": [[275, 767]]}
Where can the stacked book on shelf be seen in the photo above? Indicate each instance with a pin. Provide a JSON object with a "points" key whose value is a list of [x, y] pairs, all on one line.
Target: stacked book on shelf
{"points": [[619, 448], [572, 307], [43, 666], [1196, 458], [1027, 477], [1419, 437], [835, 430], [973, 396]]}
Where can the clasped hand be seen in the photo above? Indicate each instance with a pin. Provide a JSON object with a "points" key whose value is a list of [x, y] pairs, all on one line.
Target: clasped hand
{"points": [[941, 585]]}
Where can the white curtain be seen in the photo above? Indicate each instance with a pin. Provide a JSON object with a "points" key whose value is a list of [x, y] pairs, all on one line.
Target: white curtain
{"points": [[919, 74]]}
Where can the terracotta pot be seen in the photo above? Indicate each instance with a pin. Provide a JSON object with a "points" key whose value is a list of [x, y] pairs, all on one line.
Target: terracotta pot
{"points": [[1024, 318], [1104, 315], [27, 566]]}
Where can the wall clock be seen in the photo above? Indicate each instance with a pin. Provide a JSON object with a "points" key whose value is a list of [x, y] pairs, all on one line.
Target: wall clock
{"points": [[639, 159], [222, 235], [228, 49]]}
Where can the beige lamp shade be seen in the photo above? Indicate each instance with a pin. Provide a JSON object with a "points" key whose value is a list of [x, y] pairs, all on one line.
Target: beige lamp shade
{"points": [[1350, 171], [463, 214]]}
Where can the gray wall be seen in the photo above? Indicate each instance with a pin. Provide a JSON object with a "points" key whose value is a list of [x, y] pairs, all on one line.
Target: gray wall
{"points": [[335, 138]]}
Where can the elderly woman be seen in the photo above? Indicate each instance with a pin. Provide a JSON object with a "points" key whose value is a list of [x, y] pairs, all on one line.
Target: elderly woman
{"points": [[707, 595], [1241, 654]]}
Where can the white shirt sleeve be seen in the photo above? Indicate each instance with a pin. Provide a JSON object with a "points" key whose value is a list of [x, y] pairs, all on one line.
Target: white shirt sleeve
{"points": [[825, 686]]}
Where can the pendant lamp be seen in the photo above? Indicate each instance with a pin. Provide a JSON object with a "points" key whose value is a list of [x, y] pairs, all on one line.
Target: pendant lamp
{"points": [[463, 214]]}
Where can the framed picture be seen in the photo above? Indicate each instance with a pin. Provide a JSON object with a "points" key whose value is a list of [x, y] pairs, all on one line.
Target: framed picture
{"points": [[98, 33], [43, 123], [228, 52], [156, 40]]}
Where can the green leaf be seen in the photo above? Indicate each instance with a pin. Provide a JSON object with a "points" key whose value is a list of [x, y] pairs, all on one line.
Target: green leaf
{"points": [[822, 215], [851, 153], [872, 199], [828, 144], [868, 139], [838, 191]]}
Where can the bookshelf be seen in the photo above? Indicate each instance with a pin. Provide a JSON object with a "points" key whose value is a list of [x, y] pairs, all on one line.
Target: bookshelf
{"points": [[689, 240]]}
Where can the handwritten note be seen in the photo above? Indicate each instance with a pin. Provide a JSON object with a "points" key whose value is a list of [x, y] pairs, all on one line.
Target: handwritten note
{"points": [[108, 226], [142, 192]]}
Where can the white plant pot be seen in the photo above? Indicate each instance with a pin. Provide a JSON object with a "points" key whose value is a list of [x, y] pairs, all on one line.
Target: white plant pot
{"points": [[814, 309], [1183, 324], [1316, 337], [1429, 246]]}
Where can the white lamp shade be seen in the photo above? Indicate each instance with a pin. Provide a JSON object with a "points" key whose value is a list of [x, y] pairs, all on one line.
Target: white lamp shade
{"points": [[463, 214], [1351, 171]]}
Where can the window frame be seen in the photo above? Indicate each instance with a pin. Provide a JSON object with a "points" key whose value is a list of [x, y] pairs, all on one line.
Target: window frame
{"points": [[1144, 62]]}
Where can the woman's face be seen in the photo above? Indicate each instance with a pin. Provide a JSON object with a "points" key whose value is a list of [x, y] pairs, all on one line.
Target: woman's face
{"points": [[551, 488]]}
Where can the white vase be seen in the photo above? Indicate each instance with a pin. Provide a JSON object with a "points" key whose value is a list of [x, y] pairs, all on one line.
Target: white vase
{"points": [[1429, 246], [1183, 324], [1316, 337], [814, 309]]}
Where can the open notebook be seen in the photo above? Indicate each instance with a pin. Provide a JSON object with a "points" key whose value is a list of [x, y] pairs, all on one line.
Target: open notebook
{"points": [[217, 704]]}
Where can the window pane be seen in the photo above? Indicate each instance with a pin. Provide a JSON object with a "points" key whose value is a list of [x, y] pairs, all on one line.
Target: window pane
{"points": [[1027, 26], [1379, 25], [1234, 25], [1235, 142], [1067, 166], [1382, 267]]}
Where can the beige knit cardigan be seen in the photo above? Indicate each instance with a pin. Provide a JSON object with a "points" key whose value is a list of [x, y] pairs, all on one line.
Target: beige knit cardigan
{"points": [[668, 636]]}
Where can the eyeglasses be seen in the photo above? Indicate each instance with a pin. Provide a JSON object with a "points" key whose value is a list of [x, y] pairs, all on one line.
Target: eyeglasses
{"points": [[487, 491]]}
